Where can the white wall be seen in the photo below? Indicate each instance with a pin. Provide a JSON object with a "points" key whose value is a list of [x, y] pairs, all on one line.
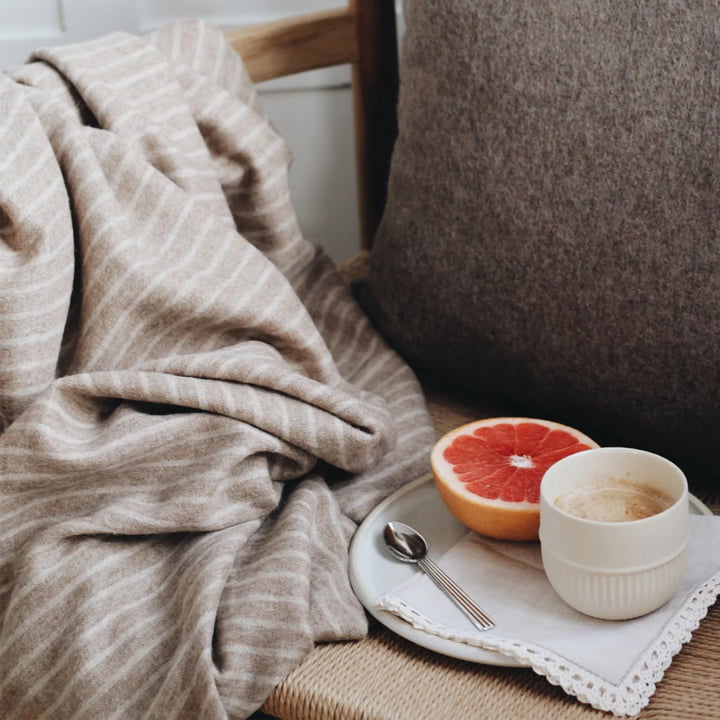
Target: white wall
{"points": [[312, 111]]}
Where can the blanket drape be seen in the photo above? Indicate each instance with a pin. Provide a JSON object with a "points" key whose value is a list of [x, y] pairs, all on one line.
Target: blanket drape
{"points": [[194, 412]]}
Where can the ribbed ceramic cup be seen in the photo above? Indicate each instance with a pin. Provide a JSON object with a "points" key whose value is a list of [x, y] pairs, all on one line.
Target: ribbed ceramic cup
{"points": [[614, 570]]}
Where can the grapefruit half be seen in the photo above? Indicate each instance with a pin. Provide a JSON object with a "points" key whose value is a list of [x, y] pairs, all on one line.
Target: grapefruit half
{"points": [[488, 472]]}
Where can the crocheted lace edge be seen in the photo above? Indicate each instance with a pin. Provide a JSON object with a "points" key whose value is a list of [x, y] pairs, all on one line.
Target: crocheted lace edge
{"points": [[626, 698]]}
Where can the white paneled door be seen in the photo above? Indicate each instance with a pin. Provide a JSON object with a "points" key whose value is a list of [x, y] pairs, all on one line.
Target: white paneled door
{"points": [[312, 110], [28, 24]]}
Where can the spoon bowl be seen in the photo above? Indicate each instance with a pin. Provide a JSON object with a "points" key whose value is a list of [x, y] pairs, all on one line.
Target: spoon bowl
{"points": [[405, 543]]}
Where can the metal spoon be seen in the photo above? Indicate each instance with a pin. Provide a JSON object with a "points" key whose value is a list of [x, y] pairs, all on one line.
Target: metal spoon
{"points": [[407, 544]]}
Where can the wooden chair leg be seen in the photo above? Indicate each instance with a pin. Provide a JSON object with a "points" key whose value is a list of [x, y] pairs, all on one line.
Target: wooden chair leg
{"points": [[375, 90]]}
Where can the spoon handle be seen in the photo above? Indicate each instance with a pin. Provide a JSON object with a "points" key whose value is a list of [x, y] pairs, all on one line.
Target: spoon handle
{"points": [[477, 615]]}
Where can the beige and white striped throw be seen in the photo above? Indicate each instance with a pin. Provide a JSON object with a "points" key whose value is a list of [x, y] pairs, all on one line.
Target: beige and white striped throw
{"points": [[194, 412]]}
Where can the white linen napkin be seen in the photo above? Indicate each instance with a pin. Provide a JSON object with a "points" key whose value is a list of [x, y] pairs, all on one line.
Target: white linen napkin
{"points": [[612, 665]]}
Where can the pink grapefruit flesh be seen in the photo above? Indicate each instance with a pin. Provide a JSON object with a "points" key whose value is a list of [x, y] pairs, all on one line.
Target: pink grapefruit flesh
{"points": [[488, 472]]}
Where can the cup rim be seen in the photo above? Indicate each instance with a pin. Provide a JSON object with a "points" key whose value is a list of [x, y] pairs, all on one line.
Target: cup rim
{"points": [[683, 497]]}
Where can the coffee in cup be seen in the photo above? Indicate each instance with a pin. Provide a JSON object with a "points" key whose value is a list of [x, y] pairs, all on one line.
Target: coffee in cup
{"points": [[614, 500]]}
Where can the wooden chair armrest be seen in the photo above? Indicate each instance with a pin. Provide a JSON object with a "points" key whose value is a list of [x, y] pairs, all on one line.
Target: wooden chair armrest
{"points": [[296, 44]]}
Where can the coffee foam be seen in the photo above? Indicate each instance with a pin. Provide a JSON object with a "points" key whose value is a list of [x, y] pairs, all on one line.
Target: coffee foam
{"points": [[614, 500]]}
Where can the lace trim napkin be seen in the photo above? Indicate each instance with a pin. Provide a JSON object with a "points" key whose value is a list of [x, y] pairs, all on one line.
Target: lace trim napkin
{"points": [[612, 665]]}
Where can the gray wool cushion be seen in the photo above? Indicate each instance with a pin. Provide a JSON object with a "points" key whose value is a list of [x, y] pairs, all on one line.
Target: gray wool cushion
{"points": [[551, 233]]}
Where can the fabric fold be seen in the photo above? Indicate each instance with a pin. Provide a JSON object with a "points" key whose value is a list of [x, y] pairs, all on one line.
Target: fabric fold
{"points": [[195, 414]]}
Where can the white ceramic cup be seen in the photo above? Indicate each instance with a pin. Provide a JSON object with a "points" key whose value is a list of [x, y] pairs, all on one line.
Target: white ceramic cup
{"points": [[614, 570]]}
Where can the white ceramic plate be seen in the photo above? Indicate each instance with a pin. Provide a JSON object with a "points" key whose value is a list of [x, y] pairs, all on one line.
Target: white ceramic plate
{"points": [[374, 572]]}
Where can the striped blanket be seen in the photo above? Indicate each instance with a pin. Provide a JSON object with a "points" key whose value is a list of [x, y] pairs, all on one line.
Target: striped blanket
{"points": [[195, 415]]}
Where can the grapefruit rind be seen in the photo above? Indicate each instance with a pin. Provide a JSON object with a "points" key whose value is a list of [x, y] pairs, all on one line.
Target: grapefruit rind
{"points": [[491, 521], [492, 517]]}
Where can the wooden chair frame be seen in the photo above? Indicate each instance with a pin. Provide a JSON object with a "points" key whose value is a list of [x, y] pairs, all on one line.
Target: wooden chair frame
{"points": [[362, 34]]}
